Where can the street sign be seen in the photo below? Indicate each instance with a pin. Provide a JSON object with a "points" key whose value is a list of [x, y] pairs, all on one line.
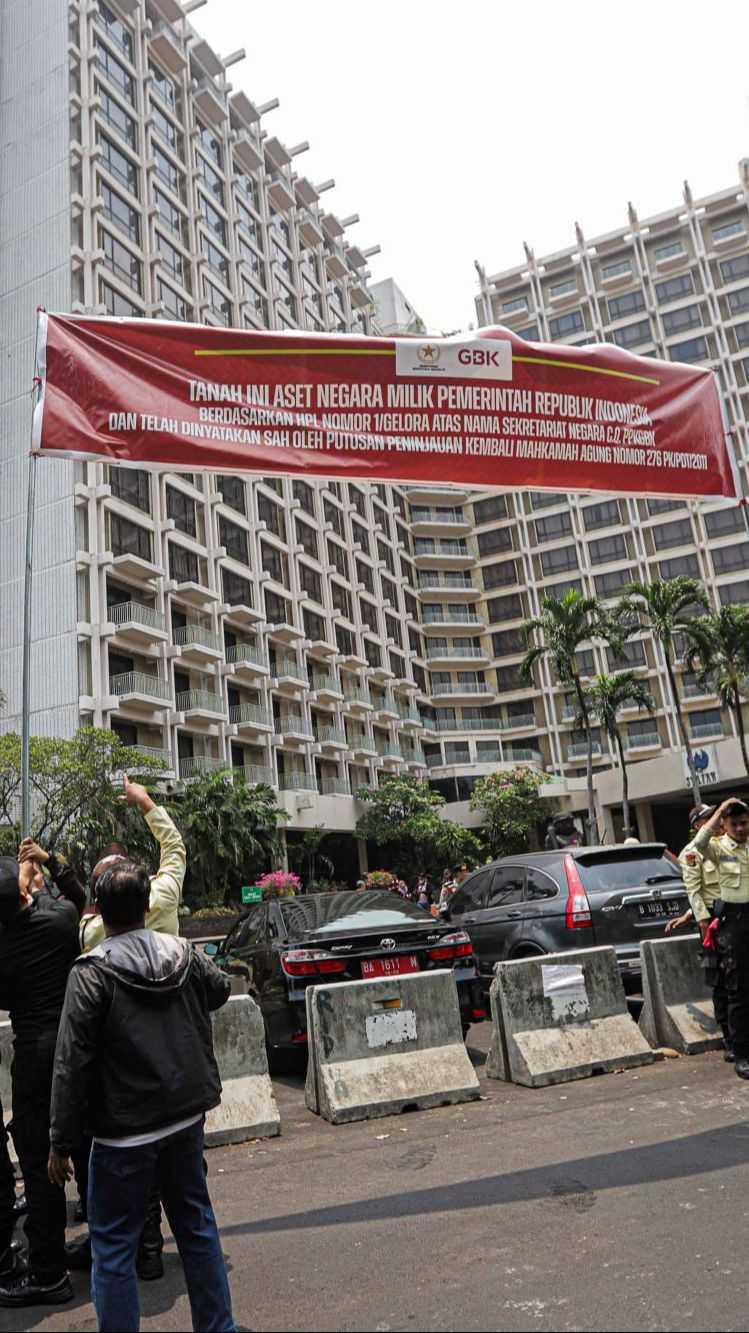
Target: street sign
{"points": [[706, 763], [252, 893]]}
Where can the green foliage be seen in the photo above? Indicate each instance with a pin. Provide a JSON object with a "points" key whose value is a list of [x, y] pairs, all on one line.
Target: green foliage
{"points": [[608, 695], [665, 606], [230, 831], [719, 653], [305, 854], [403, 822], [512, 807]]}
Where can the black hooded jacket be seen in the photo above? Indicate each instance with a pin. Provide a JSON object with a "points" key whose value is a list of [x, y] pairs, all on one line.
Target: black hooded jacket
{"points": [[135, 1044]]}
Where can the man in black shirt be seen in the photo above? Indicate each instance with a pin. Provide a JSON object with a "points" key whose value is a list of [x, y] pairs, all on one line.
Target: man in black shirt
{"points": [[38, 945]]}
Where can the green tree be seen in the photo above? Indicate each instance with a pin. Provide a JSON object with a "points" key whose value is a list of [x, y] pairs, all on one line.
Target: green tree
{"points": [[512, 807], [668, 607], [720, 654], [562, 627], [306, 856], [230, 831], [607, 696], [403, 822]]}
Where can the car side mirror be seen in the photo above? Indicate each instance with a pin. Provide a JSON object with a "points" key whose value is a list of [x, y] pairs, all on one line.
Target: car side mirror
{"points": [[210, 949]]}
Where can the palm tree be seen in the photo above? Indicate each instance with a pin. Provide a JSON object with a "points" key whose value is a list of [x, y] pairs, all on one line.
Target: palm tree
{"points": [[720, 653], [607, 696], [666, 607], [560, 630]]}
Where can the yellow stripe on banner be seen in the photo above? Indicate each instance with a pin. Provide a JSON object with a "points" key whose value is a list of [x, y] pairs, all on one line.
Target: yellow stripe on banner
{"points": [[591, 370], [295, 351]]}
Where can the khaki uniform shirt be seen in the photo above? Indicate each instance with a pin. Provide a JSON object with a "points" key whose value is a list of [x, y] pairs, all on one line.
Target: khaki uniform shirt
{"points": [[166, 886], [700, 880], [731, 862]]}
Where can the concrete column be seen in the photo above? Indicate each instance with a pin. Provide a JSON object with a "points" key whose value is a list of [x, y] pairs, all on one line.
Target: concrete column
{"points": [[644, 822], [361, 847]]}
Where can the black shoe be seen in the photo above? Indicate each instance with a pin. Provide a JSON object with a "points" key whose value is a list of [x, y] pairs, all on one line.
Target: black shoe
{"points": [[28, 1290], [149, 1265], [80, 1214], [20, 1206], [741, 1066], [78, 1254], [12, 1262], [729, 1056]]}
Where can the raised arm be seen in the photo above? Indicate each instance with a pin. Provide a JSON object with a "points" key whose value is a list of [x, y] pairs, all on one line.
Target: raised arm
{"points": [[166, 885], [61, 873]]}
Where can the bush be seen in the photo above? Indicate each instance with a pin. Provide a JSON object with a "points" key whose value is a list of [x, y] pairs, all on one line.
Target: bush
{"points": [[280, 884]]}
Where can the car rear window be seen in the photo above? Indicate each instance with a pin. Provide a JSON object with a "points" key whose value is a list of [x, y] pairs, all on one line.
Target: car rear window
{"points": [[625, 870], [331, 913]]}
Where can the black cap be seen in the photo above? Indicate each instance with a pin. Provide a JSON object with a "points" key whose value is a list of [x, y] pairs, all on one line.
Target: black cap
{"points": [[10, 894], [700, 812]]}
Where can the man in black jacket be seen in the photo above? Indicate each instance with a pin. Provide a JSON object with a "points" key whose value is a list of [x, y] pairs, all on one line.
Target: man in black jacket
{"points": [[135, 1061]]}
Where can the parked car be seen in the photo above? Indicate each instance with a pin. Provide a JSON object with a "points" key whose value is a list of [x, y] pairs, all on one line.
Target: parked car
{"points": [[572, 898], [279, 948]]}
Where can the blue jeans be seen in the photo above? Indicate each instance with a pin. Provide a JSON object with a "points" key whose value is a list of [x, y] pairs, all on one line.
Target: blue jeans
{"points": [[119, 1185]]}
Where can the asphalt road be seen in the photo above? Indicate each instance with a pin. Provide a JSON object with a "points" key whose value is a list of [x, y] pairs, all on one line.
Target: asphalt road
{"points": [[619, 1202]]}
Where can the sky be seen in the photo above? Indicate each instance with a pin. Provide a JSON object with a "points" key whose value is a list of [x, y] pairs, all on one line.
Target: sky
{"points": [[459, 131]]}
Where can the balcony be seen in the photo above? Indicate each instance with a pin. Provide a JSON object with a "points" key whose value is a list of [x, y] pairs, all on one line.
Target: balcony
{"points": [[298, 782], [455, 620], [358, 701], [159, 755], [705, 731], [414, 757], [247, 661], [167, 47], [331, 738], [453, 654], [439, 555], [327, 688], [438, 522], [569, 712], [201, 704], [408, 716], [282, 631], [193, 765], [519, 722], [251, 718], [135, 567], [580, 750], [280, 192], [647, 741], [310, 231], [693, 690], [456, 690], [466, 724], [334, 787], [247, 150], [197, 644], [240, 614], [440, 587], [293, 727], [525, 757], [426, 494], [191, 594], [386, 709], [390, 751], [490, 757], [137, 622], [288, 676], [137, 687], [361, 744], [211, 101], [258, 775]]}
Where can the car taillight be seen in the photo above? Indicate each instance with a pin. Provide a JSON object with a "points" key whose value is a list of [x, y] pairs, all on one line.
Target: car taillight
{"points": [[457, 945], [578, 914], [310, 963]]}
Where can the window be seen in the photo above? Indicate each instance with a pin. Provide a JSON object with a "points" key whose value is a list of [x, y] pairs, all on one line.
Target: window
{"points": [[277, 609], [246, 219], [334, 516], [517, 303], [632, 335], [585, 661], [364, 576], [167, 130], [559, 561], [305, 495], [507, 886], [560, 590], [630, 655], [174, 304], [562, 288], [312, 584], [742, 335], [121, 260], [553, 528], [530, 333], [116, 73], [565, 325], [486, 510], [731, 270], [245, 184], [216, 259], [673, 534], [472, 893], [694, 349], [167, 172], [610, 585], [131, 485], [209, 142], [235, 539], [669, 251], [500, 576], [129, 538], [119, 165], [505, 642], [170, 216], [738, 301], [733, 594], [545, 499], [214, 220], [674, 288], [171, 258], [116, 304], [117, 118], [726, 559], [539, 885], [622, 306], [163, 85], [681, 564], [120, 213], [616, 270], [495, 542], [689, 317], [274, 563], [663, 506], [181, 508], [723, 521], [314, 626], [236, 590], [728, 229], [218, 304], [509, 678], [116, 30], [504, 608], [270, 514], [607, 548], [214, 182], [603, 515], [306, 535], [645, 727], [234, 493]]}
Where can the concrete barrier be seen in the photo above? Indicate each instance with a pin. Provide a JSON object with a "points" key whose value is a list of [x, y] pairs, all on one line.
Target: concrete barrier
{"points": [[559, 1017], [387, 1045], [678, 1007], [248, 1108]]}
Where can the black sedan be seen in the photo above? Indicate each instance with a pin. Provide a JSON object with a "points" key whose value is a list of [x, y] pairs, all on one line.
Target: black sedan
{"points": [[277, 949]]}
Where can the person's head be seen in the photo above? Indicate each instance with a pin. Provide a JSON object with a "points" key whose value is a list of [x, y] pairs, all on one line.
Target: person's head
{"points": [[698, 815], [446, 873], [360, 886], [736, 821], [16, 886], [113, 854], [122, 894]]}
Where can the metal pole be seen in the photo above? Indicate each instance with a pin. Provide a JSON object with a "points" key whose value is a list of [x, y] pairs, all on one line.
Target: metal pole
{"points": [[26, 702]]}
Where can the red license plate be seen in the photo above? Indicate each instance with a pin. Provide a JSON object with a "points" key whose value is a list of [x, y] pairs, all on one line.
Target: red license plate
{"points": [[389, 967]]}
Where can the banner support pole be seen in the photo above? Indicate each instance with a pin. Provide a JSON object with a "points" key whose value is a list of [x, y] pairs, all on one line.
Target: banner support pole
{"points": [[26, 699]]}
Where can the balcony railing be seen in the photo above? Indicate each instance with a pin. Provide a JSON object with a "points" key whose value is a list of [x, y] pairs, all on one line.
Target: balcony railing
{"points": [[240, 653], [413, 756], [490, 757], [524, 757], [195, 634], [137, 682], [193, 765], [465, 724], [449, 548], [155, 752], [408, 714], [358, 697], [137, 614], [641, 742], [452, 618], [469, 687], [693, 690], [702, 731], [252, 713], [437, 516], [298, 782], [330, 736], [292, 725], [334, 787], [200, 701], [359, 740], [522, 720], [288, 666], [329, 684], [454, 654], [447, 581], [390, 751], [258, 773], [580, 750]]}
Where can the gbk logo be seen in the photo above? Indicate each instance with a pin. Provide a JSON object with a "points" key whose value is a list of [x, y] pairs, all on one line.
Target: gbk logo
{"points": [[475, 356], [454, 358]]}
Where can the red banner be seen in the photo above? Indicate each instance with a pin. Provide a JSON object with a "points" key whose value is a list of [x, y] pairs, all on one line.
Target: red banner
{"points": [[478, 410]]}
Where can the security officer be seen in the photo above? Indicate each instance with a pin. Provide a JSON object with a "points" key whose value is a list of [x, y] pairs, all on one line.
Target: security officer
{"points": [[730, 855], [701, 883]]}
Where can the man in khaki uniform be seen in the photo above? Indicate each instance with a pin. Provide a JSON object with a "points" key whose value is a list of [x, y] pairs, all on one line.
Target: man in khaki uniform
{"points": [[730, 855], [701, 882]]}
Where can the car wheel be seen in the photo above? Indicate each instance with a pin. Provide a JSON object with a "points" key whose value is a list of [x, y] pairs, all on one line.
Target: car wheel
{"points": [[528, 951]]}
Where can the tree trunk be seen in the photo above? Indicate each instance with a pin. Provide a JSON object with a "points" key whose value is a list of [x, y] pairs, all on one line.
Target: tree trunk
{"points": [[739, 710], [625, 785], [684, 737], [592, 821]]}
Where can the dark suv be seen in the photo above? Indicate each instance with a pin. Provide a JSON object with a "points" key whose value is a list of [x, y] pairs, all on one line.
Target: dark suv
{"points": [[572, 898]]}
